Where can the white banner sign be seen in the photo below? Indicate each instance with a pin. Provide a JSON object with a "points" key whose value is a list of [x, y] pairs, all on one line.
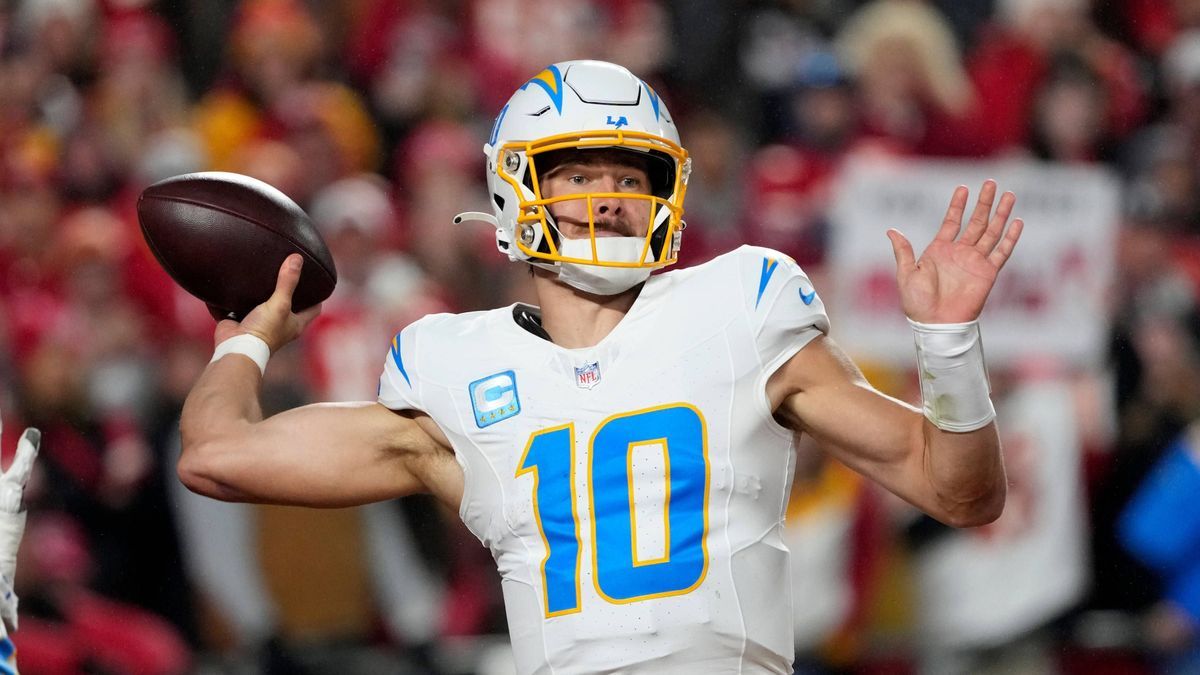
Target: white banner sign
{"points": [[1052, 297]]}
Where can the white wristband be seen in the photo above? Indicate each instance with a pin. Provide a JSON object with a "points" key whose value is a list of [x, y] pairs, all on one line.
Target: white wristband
{"points": [[250, 346], [955, 392]]}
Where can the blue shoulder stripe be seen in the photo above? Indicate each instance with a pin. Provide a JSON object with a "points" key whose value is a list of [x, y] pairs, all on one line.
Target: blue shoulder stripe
{"points": [[398, 359], [768, 268]]}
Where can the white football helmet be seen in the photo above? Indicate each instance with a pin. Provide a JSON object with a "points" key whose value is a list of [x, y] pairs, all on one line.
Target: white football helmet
{"points": [[573, 105]]}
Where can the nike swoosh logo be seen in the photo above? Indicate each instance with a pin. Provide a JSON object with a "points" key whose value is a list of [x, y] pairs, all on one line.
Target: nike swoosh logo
{"points": [[807, 298], [768, 268]]}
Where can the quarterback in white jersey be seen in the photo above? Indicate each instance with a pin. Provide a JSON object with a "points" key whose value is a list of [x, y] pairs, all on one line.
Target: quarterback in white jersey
{"points": [[625, 449], [634, 489]]}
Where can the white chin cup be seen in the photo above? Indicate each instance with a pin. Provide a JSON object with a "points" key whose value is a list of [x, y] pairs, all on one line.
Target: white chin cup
{"points": [[598, 279]]}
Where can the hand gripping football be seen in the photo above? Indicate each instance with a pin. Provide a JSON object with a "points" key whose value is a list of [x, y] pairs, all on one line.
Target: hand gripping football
{"points": [[222, 237]]}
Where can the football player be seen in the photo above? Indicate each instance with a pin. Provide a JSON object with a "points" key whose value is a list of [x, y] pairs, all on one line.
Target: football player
{"points": [[12, 527], [624, 449]]}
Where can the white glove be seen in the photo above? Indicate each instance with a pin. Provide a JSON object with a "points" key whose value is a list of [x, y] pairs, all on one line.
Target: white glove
{"points": [[12, 522]]}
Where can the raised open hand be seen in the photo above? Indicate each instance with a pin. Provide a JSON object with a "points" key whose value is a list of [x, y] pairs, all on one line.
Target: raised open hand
{"points": [[12, 522], [951, 280]]}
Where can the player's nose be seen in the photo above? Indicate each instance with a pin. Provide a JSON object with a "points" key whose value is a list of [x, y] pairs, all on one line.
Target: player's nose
{"points": [[606, 205]]}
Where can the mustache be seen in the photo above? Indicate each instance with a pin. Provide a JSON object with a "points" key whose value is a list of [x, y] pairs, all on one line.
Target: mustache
{"points": [[617, 224]]}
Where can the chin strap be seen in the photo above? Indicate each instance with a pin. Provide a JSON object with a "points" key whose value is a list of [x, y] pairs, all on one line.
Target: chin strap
{"points": [[480, 216]]}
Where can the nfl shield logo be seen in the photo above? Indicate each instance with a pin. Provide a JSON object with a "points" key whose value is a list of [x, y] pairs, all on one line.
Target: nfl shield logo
{"points": [[588, 375]]}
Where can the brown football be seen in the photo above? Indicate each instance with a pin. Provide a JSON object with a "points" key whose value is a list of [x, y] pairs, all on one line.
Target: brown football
{"points": [[222, 237]]}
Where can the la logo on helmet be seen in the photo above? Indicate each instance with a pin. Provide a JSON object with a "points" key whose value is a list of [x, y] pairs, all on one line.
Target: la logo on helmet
{"points": [[617, 123]]}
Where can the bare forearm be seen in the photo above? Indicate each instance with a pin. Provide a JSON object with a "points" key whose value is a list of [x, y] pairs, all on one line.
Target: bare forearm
{"points": [[957, 478], [223, 400], [222, 406], [965, 472], [324, 454]]}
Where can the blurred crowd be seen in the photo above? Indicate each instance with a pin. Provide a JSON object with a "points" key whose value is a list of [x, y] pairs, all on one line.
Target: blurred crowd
{"points": [[372, 114]]}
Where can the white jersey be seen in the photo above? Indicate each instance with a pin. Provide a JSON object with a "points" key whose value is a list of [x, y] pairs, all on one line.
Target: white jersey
{"points": [[632, 493]]}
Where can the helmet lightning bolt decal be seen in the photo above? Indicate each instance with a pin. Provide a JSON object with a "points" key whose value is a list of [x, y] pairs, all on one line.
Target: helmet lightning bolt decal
{"points": [[550, 80], [496, 126], [653, 99]]}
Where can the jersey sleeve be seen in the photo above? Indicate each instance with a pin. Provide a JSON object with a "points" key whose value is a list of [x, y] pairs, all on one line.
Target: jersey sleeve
{"points": [[398, 385], [783, 306]]}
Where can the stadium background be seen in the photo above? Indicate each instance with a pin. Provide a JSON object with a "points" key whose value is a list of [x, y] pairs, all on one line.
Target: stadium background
{"points": [[372, 113]]}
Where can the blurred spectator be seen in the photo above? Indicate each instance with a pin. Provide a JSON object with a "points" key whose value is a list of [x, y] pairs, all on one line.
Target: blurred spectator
{"points": [[791, 186], [834, 531], [716, 200], [66, 628], [1162, 178], [912, 87], [221, 555], [1068, 115], [378, 293], [705, 37], [775, 45], [61, 35], [1161, 528], [987, 599], [634, 32], [379, 290], [139, 91], [1156, 361], [438, 169], [406, 56], [1017, 53], [1151, 25], [786, 190], [275, 49]]}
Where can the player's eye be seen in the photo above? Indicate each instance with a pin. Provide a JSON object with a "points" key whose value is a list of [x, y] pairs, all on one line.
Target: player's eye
{"points": [[577, 179], [631, 183]]}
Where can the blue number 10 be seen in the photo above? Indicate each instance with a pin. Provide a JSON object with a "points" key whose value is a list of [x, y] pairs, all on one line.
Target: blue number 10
{"points": [[618, 573]]}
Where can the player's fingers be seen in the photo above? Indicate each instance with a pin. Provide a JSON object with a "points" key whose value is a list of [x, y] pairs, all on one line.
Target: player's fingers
{"points": [[1005, 248], [27, 450], [952, 221], [289, 277], [978, 223], [905, 259], [996, 225]]}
